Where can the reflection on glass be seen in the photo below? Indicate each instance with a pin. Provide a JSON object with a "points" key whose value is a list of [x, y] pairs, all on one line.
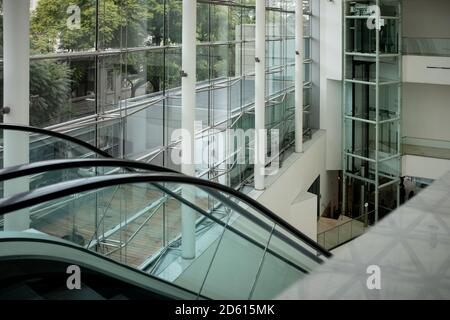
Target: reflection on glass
{"points": [[102, 70]]}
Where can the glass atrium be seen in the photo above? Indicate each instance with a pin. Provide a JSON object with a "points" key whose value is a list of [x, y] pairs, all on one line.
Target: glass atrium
{"points": [[118, 77]]}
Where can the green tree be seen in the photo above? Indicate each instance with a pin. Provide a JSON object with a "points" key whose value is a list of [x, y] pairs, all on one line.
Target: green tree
{"points": [[121, 23], [50, 89]]}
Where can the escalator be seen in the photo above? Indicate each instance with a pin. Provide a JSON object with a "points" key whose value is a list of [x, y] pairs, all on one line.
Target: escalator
{"points": [[131, 214], [37, 267]]}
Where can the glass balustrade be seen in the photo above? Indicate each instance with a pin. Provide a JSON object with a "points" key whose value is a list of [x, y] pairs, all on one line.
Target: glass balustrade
{"points": [[41, 145], [240, 252], [348, 230], [439, 47], [432, 148], [140, 224]]}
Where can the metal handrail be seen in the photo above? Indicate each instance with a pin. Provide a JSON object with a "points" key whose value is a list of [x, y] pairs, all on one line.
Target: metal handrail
{"points": [[342, 224], [38, 167], [21, 128], [126, 271], [364, 216], [53, 192], [86, 184]]}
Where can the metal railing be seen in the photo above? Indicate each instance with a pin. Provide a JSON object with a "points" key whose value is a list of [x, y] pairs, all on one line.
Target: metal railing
{"points": [[432, 148], [427, 46], [343, 233]]}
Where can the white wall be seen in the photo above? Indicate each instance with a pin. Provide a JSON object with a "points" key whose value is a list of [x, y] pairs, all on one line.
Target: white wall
{"points": [[426, 111], [426, 69], [295, 177], [426, 19], [331, 121], [330, 192], [331, 39], [426, 107], [330, 79], [303, 212], [424, 167]]}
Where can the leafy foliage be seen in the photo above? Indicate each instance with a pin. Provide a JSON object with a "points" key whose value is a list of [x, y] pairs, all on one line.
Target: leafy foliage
{"points": [[119, 24], [50, 88]]}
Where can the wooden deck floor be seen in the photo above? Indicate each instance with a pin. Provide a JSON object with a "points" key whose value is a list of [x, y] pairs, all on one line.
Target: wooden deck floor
{"points": [[110, 208]]}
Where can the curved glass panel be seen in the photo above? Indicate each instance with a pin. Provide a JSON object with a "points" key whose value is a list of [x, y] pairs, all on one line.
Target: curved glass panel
{"points": [[237, 248], [28, 146]]}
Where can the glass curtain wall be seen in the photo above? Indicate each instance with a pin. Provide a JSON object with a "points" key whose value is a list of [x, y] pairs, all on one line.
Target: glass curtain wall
{"points": [[108, 72], [372, 105]]}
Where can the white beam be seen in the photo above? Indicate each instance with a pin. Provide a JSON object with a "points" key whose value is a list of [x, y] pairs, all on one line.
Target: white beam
{"points": [[260, 95], [189, 27], [16, 69], [299, 74]]}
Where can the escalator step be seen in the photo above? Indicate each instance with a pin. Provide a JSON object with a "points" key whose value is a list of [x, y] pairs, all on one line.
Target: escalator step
{"points": [[85, 293], [19, 291]]}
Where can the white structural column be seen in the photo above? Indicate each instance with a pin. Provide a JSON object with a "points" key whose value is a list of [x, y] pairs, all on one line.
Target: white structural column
{"points": [[188, 101], [299, 74], [260, 95], [16, 69]]}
